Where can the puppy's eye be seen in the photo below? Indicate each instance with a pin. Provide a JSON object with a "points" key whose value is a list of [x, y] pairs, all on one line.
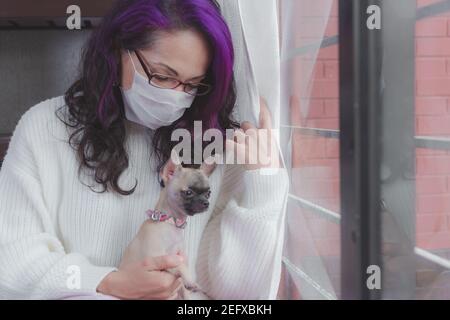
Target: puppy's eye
{"points": [[208, 194], [188, 193]]}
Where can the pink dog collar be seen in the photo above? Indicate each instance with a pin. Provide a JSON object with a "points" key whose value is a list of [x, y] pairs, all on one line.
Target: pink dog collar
{"points": [[158, 216]]}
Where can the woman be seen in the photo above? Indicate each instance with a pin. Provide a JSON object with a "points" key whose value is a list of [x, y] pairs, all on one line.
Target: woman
{"points": [[81, 170]]}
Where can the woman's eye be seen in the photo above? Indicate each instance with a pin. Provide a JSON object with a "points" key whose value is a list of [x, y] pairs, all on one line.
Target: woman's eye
{"points": [[161, 81], [160, 78]]}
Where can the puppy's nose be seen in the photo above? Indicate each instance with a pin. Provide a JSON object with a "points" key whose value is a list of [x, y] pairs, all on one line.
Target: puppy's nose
{"points": [[205, 204]]}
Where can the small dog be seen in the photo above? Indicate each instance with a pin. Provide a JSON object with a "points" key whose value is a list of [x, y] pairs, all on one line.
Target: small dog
{"points": [[185, 193]]}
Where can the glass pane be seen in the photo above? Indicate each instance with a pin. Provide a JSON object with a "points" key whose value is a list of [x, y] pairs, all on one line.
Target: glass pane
{"points": [[432, 165], [416, 219], [310, 94]]}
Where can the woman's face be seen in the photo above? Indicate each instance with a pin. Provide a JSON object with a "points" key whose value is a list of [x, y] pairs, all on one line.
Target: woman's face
{"points": [[183, 55]]}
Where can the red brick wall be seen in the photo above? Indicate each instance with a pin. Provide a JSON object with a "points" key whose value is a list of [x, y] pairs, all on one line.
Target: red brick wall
{"points": [[433, 119], [315, 159]]}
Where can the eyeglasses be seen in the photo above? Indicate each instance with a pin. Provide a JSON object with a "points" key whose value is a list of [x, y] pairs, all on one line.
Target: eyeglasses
{"points": [[165, 82]]}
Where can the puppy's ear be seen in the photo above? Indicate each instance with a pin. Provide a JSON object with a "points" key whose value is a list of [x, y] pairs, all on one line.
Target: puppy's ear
{"points": [[209, 165], [171, 167]]}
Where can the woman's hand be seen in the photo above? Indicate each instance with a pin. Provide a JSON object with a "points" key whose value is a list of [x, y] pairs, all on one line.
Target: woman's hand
{"points": [[256, 145], [145, 280]]}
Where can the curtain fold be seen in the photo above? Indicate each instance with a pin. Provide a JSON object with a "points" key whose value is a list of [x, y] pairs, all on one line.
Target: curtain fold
{"points": [[254, 28], [303, 28], [255, 32], [279, 76]]}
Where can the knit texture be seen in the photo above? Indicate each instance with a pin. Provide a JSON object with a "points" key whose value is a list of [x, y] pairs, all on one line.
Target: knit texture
{"points": [[51, 221]]}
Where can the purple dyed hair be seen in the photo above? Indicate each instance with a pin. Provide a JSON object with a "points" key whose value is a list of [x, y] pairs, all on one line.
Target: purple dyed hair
{"points": [[95, 102]]}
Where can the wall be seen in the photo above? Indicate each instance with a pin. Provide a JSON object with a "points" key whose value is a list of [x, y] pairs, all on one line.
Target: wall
{"points": [[35, 65]]}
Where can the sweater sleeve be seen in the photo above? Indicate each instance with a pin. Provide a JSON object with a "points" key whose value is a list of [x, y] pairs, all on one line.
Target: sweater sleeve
{"points": [[240, 253], [33, 261]]}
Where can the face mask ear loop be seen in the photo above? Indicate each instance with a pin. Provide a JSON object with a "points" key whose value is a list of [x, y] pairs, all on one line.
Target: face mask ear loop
{"points": [[131, 58]]}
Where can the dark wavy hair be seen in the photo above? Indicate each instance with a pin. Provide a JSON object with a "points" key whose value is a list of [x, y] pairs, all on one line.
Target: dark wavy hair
{"points": [[94, 101]]}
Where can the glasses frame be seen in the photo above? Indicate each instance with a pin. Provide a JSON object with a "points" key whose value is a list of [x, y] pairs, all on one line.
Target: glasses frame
{"points": [[151, 74]]}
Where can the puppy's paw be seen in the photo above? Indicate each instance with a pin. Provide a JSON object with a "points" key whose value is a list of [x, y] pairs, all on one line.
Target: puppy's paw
{"points": [[193, 287]]}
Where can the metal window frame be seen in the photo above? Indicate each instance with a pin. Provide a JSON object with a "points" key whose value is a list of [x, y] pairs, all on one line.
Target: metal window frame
{"points": [[335, 217], [360, 64], [425, 142]]}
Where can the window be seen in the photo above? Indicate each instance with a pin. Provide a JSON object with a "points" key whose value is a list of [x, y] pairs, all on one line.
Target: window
{"points": [[366, 127]]}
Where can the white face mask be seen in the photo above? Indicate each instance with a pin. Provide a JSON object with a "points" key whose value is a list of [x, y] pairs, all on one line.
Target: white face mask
{"points": [[153, 107]]}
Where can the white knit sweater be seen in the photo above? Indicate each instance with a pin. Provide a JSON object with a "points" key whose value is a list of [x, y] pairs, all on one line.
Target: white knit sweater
{"points": [[50, 221]]}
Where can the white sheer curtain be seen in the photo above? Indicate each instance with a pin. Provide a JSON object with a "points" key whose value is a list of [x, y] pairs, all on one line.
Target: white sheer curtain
{"points": [[255, 32], [262, 69], [308, 273], [254, 28]]}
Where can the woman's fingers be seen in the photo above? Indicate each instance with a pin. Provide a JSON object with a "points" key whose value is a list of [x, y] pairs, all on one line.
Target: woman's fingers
{"points": [[233, 145], [162, 284], [174, 296], [252, 144], [239, 136], [265, 118], [162, 262], [172, 292], [246, 125], [176, 286], [182, 254]]}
